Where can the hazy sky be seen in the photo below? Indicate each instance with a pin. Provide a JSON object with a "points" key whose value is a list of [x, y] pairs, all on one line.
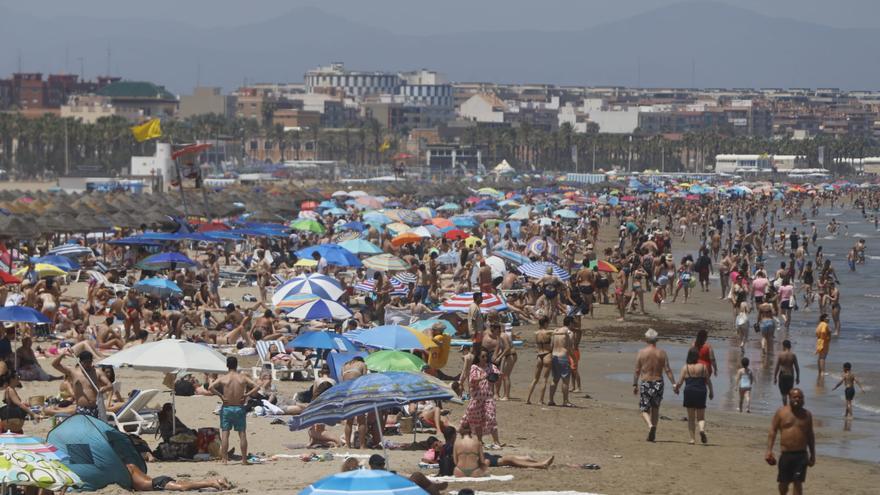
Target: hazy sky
{"points": [[439, 16]]}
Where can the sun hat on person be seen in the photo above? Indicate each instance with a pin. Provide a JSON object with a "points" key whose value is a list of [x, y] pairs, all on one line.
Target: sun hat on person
{"points": [[651, 335]]}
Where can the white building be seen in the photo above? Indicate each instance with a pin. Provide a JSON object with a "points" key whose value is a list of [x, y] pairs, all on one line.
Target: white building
{"points": [[868, 165], [89, 108], [611, 119], [738, 164], [354, 83], [483, 107]]}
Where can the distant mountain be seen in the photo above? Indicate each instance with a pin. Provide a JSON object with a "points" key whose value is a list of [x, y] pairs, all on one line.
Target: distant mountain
{"points": [[727, 46]]}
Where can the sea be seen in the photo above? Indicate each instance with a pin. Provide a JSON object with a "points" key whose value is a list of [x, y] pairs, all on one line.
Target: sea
{"points": [[858, 344]]}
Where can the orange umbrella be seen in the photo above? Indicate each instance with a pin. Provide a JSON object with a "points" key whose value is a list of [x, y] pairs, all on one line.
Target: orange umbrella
{"points": [[406, 238], [442, 223]]}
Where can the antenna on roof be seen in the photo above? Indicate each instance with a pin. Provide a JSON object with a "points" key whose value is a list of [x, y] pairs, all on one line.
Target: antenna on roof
{"points": [[19, 60], [108, 58], [693, 72]]}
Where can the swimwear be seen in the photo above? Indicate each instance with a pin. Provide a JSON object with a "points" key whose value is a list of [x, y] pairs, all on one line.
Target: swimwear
{"points": [[561, 367], [233, 418], [767, 326], [650, 394], [793, 466], [574, 359], [88, 410], [492, 459], [849, 393], [159, 482], [586, 289], [745, 382], [786, 383]]}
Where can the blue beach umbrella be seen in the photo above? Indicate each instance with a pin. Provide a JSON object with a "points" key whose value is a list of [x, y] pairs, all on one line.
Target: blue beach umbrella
{"points": [[322, 340], [158, 287], [322, 309], [422, 325], [364, 482], [62, 262], [538, 269], [361, 246], [164, 261], [333, 253], [22, 314], [391, 337], [512, 256], [354, 225]]}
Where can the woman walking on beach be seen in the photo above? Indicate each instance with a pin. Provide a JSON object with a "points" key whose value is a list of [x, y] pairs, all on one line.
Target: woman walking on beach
{"points": [[480, 413], [543, 338], [696, 379], [705, 353]]}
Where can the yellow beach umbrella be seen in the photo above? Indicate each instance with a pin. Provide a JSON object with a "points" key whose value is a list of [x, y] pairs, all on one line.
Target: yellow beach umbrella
{"points": [[43, 270]]}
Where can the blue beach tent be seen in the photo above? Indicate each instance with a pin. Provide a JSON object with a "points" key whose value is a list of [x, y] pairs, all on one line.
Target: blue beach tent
{"points": [[97, 452]]}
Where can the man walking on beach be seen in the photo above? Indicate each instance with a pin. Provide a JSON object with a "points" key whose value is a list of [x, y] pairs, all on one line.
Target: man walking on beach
{"points": [[234, 388], [476, 324], [795, 426], [561, 341], [787, 373], [651, 363]]}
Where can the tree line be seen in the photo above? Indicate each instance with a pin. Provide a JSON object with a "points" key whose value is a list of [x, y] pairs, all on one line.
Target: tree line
{"points": [[32, 147]]}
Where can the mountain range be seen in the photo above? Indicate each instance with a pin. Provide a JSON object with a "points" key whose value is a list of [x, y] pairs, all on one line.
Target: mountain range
{"points": [[683, 45]]}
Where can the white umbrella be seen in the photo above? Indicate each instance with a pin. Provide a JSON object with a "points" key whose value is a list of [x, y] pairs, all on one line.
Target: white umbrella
{"points": [[169, 355], [497, 266]]}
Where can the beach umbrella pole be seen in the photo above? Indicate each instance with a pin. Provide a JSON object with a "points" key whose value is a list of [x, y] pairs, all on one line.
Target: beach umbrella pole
{"points": [[381, 437]]}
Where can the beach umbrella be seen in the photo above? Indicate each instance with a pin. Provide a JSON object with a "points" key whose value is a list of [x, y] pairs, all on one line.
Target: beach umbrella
{"points": [[71, 251], [603, 266], [398, 228], [538, 245], [355, 226], [377, 218], [327, 204], [398, 288], [521, 213], [370, 392], [449, 207], [423, 325], [62, 262], [307, 225], [387, 360], [346, 235], [292, 301], [169, 355], [538, 269], [321, 340], [466, 222], [165, 261], [339, 194], [449, 258], [368, 202], [18, 442], [322, 309], [335, 211], [472, 241], [22, 314], [566, 213], [406, 238], [26, 468], [8, 278], [361, 246], [488, 191], [158, 287], [497, 266], [357, 194], [511, 256], [405, 277], [461, 302], [334, 254], [315, 283], [394, 337], [425, 212], [456, 234], [306, 263], [364, 482], [43, 270], [308, 214], [442, 223], [385, 263], [426, 231]]}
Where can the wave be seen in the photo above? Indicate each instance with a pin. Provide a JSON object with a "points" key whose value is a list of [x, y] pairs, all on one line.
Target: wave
{"points": [[828, 214], [859, 234]]}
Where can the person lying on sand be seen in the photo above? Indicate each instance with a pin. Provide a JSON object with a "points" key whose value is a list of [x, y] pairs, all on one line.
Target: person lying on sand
{"points": [[140, 482]]}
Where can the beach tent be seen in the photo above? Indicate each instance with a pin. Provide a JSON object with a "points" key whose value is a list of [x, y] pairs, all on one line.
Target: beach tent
{"points": [[503, 168], [97, 452]]}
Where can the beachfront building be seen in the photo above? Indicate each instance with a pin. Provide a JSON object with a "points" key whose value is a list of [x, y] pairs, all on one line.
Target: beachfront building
{"points": [[453, 159], [353, 83], [207, 100], [151, 100], [483, 107], [89, 108], [739, 164]]}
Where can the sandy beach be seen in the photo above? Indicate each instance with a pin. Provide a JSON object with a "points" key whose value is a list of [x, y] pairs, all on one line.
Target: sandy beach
{"points": [[604, 429]]}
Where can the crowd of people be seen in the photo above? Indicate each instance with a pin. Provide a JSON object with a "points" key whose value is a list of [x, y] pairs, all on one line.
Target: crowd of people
{"points": [[481, 256]]}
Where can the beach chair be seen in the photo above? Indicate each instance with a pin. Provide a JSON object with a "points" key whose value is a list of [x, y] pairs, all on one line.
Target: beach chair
{"points": [[134, 416], [280, 371], [102, 280]]}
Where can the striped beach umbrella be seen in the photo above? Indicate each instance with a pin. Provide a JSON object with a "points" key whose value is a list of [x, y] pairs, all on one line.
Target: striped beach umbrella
{"points": [[538, 269], [512, 256], [71, 251], [405, 277], [322, 309], [369, 286], [320, 285], [461, 302], [386, 263], [538, 245], [16, 441]]}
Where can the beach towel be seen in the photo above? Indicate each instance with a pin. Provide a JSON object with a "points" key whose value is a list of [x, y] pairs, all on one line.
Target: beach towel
{"points": [[453, 479]]}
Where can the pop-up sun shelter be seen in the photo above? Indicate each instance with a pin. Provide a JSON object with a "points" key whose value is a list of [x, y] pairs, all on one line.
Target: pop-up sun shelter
{"points": [[97, 452]]}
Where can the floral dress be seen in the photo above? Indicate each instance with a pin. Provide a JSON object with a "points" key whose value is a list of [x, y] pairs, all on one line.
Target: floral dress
{"points": [[480, 413]]}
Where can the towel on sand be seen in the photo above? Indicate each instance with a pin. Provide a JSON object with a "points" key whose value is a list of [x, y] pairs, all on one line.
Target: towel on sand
{"points": [[453, 479]]}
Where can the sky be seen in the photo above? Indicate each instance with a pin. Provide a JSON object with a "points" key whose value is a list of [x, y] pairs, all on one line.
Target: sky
{"points": [[443, 16]]}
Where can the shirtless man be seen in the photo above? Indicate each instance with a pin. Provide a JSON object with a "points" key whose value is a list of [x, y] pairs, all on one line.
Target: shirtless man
{"points": [[354, 369], [575, 358], [585, 280], [485, 278], [561, 342], [795, 426], [88, 382], [651, 364], [543, 338], [234, 389], [787, 373], [140, 482]]}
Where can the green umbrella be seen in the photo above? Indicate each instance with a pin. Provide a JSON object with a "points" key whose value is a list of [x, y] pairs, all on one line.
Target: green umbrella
{"points": [[307, 225], [394, 361]]}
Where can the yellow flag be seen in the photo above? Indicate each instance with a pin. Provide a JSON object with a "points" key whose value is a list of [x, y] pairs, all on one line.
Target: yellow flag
{"points": [[148, 130], [385, 146]]}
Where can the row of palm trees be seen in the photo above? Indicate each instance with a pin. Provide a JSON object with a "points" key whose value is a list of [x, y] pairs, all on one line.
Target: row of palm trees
{"points": [[53, 145]]}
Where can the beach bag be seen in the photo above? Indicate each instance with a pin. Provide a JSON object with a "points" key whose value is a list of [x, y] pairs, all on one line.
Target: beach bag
{"points": [[208, 441]]}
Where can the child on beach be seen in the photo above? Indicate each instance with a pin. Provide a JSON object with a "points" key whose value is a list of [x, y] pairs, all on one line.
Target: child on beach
{"points": [[660, 290], [744, 380], [849, 379]]}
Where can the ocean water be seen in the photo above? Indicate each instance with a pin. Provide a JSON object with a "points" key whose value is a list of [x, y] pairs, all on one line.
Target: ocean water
{"points": [[859, 344]]}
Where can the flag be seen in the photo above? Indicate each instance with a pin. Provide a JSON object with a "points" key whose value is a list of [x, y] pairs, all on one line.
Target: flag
{"points": [[148, 130], [5, 259], [385, 146]]}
